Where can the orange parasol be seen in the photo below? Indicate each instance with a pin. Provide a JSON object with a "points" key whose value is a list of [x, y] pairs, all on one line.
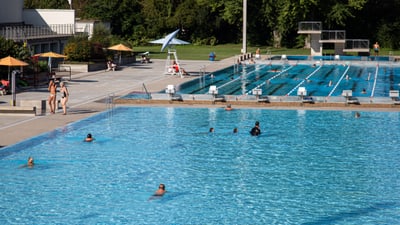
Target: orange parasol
{"points": [[10, 61], [50, 55], [120, 48]]}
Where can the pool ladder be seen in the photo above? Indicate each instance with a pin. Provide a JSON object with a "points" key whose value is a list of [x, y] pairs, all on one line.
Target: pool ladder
{"points": [[202, 70], [147, 93], [110, 103]]}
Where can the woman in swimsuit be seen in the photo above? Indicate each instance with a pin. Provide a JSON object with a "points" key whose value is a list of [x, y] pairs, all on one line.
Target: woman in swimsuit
{"points": [[64, 97], [52, 98]]}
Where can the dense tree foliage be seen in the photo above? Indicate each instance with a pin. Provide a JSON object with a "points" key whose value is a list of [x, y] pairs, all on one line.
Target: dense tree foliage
{"points": [[46, 4], [78, 48], [270, 22]]}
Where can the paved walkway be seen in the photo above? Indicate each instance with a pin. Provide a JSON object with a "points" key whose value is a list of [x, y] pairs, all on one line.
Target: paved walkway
{"points": [[88, 92]]}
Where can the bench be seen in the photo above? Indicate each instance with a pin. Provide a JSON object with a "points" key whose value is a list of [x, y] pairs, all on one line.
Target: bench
{"points": [[263, 99], [60, 72], [176, 97], [40, 105], [308, 99], [396, 100], [219, 98], [352, 100], [18, 110]]}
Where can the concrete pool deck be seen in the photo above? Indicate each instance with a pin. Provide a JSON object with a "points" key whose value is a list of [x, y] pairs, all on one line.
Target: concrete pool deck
{"points": [[89, 93]]}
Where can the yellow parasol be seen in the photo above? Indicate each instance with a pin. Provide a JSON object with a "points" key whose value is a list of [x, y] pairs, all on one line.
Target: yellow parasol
{"points": [[51, 55], [120, 48], [10, 62]]}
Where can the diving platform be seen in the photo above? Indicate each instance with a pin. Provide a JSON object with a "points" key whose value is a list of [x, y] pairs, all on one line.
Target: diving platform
{"points": [[357, 45], [318, 37], [310, 27], [333, 36], [314, 30]]}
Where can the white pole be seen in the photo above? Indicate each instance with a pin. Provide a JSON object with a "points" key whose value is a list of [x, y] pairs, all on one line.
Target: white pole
{"points": [[244, 48]]}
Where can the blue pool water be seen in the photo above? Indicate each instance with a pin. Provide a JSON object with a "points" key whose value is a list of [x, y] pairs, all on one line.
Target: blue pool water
{"points": [[284, 80], [307, 167], [332, 57]]}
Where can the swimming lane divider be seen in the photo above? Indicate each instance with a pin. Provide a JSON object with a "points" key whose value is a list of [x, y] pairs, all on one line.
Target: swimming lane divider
{"points": [[340, 80], [310, 75], [263, 83], [238, 78], [375, 79]]}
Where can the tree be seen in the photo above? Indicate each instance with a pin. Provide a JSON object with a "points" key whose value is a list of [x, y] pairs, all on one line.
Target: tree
{"points": [[273, 22], [121, 14], [78, 49], [46, 4]]}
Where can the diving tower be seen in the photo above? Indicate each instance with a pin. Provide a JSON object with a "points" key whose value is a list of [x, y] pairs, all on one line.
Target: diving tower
{"points": [[314, 30], [318, 37], [361, 46]]}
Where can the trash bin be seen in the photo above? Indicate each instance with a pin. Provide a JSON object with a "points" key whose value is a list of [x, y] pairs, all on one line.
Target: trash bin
{"points": [[212, 56]]}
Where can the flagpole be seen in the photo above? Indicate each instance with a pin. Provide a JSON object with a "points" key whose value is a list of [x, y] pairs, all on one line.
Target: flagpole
{"points": [[244, 48]]}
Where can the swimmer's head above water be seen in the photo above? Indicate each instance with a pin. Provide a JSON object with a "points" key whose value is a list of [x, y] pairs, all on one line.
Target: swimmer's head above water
{"points": [[89, 137], [30, 161]]}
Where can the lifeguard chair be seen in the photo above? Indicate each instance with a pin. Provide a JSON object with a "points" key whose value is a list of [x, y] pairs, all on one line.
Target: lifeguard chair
{"points": [[172, 68]]}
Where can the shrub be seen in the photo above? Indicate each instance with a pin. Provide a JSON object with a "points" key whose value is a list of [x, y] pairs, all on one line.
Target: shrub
{"points": [[78, 49]]}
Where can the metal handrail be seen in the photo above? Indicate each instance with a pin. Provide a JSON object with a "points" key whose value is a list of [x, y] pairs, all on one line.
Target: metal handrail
{"points": [[18, 33]]}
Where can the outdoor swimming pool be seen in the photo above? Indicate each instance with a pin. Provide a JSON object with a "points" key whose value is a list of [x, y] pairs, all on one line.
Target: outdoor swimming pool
{"points": [[307, 167], [325, 80]]}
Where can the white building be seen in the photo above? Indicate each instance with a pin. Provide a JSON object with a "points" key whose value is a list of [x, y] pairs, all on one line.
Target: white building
{"points": [[41, 29]]}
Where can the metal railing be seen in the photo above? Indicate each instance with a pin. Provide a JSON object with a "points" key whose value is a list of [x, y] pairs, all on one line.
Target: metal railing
{"points": [[310, 26], [357, 44], [20, 33], [333, 35]]}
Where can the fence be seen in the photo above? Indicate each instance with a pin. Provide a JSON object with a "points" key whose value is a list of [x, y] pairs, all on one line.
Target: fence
{"points": [[21, 33]]}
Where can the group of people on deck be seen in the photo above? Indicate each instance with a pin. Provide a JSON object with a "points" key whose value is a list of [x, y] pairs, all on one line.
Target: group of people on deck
{"points": [[53, 96]]}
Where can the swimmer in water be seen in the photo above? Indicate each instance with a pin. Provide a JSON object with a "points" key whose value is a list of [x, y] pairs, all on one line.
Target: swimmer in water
{"points": [[256, 131], [30, 163], [89, 138], [228, 107], [211, 130], [161, 190], [159, 193]]}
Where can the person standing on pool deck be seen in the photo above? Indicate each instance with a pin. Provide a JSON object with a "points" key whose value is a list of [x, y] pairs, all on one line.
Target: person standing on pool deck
{"points": [[256, 129], [64, 97], [52, 98], [376, 49]]}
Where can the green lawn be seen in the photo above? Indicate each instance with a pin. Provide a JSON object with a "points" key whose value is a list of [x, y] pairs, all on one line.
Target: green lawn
{"points": [[192, 52]]}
